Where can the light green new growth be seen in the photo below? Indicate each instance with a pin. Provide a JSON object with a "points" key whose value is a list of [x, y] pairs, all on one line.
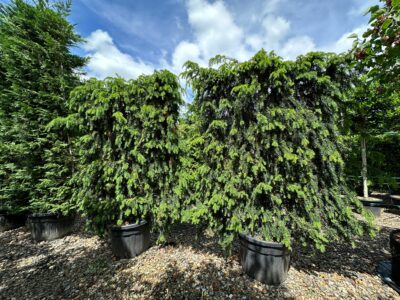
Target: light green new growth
{"points": [[263, 156]]}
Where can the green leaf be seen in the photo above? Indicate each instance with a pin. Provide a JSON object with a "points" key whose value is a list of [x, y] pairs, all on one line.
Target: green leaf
{"points": [[353, 36], [386, 24]]}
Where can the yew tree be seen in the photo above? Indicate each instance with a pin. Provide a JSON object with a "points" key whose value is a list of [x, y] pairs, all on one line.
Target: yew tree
{"points": [[128, 150], [265, 156]]}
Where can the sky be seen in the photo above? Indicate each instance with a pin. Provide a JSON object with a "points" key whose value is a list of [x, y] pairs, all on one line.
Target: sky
{"points": [[136, 37]]}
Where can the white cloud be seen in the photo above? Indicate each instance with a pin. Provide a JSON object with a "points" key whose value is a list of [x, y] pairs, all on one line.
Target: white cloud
{"points": [[296, 46], [214, 31], [270, 6], [254, 41], [275, 30], [304, 44], [360, 7], [183, 52], [344, 43], [107, 60]]}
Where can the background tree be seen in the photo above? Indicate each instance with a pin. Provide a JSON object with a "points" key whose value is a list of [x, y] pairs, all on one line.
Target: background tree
{"points": [[378, 50], [376, 99], [376, 105], [269, 158], [37, 73], [383, 153], [372, 112]]}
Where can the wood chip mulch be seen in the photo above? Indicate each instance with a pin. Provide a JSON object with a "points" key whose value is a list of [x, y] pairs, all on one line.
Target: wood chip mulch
{"points": [[81, 266]]}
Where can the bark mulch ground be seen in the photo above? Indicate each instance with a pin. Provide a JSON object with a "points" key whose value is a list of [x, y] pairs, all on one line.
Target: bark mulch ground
{"points": [[81, 266]]}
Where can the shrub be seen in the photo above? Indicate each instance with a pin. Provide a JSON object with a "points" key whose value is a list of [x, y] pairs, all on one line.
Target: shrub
{"points": [[267, 160], [128, 149]]}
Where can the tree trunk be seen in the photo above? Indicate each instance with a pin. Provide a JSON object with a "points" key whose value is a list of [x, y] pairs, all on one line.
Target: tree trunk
{"points": [[364, 166]]}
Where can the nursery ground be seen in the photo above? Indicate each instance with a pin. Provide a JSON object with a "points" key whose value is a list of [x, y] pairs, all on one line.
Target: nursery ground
{"points": [[81, 266]]}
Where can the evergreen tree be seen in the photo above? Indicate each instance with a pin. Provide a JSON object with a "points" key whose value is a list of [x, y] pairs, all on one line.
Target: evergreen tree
{"points": [[128, 150], [268, 157], [37, 73]]}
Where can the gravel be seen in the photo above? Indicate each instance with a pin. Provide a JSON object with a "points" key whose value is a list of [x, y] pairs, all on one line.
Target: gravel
{"points": [[81, 266]]}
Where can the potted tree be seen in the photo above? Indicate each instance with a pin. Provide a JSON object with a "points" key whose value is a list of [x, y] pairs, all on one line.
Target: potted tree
{"points": [[127, 155], [268, 164], [53, 211], [378, 52], [12, 216], [37, 73], [370, 111], [376, 100]]}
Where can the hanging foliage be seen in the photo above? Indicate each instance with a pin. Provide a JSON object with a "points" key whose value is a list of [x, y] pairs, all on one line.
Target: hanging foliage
{"points": [[128, 149], [37, 72], [266, 151]]}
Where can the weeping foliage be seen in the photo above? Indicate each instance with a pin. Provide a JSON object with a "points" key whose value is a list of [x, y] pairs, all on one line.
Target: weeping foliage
{"points": [[37, 72], [128, 149], [263, 152]]}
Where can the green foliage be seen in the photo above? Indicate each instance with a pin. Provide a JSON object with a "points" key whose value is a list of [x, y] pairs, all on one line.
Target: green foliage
{"points": [[36, 75], [376, 103], [370, 110], [262, 150], [378, 50], [128, 149], [383, 152]]}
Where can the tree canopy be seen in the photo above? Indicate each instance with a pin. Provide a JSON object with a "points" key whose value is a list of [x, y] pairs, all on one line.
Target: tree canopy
{"points": [[378, 51], [128, 149], [268, 158], [37, 72]]}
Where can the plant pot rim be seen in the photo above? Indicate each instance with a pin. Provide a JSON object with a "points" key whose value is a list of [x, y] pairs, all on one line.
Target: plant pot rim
{"points": [[42, 215], [370, 199], [50, 215], [129, 226], [12, 213], [379, 194], [262, 243]]}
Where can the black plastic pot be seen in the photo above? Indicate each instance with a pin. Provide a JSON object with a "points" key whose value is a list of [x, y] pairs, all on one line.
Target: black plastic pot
{"points": [[395, 199], [267, 262], [395, 249], [11, 221], [47, 227], [373, 205], [130, 240]]}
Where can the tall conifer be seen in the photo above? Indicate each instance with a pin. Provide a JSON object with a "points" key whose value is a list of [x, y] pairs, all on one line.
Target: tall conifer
{"points": [[37, 73]]}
